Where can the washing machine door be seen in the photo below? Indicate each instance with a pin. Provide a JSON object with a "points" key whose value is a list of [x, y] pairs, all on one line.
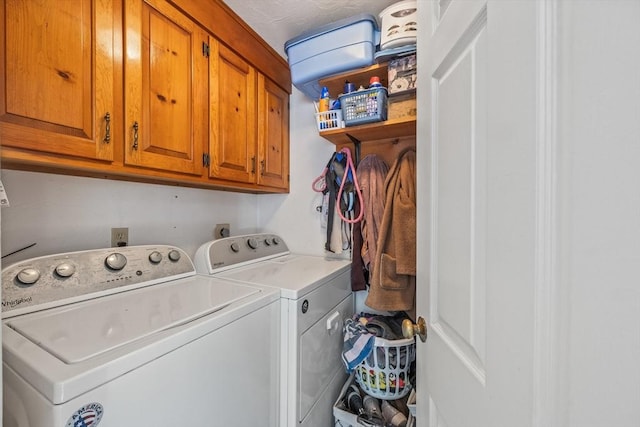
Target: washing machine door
{"points": [[82, 331]]}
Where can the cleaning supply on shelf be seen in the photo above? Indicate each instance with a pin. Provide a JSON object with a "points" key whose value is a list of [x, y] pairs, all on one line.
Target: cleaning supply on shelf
{"points": [[324, 101], [374, 82], [349, 87]]}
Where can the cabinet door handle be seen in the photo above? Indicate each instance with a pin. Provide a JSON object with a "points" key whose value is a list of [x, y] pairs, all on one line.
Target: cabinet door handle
{"points": [[261, 167], [107, 128], [135, 135], [253, 164]]}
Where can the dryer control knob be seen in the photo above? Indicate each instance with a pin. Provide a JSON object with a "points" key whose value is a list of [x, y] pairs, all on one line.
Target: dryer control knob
{"points": [[234, 247], [276, 241], [28, 276], [65, 269], [252, 243], [174, 255], [116, 261], [155, 257], [267, 242]]}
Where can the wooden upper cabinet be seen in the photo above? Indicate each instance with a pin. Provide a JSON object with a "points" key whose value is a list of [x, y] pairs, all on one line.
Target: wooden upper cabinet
{"points": [[232, 123], [165, 85], [178, 91], [56, 77], [273, 134]]}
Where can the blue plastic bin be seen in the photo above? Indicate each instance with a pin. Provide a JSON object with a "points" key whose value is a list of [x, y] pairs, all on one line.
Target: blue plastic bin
{"points": [[334, 48]]}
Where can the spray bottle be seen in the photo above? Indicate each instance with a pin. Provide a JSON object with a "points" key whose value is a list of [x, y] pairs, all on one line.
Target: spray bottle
{"points": [[323, 104]]}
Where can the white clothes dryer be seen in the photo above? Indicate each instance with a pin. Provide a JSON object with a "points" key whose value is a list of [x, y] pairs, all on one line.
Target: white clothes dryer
{"points": [[132, 336], [315, 299]]}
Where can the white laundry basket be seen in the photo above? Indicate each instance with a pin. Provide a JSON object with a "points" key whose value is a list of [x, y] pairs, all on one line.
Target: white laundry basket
{"points": [[384, 374]]}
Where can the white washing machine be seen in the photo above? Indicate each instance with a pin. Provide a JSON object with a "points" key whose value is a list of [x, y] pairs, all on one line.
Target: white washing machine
{"points": [[133, 337], [315, 299]]}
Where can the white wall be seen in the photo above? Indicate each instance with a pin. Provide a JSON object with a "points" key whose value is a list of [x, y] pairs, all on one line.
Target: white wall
{"points": [[64, 213], [294, 216]]}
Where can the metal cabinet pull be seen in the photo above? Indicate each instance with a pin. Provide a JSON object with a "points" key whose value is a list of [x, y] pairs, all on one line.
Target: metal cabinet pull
{"points": [[261, 167], [107, 128], [253, 164], [135, 135]]}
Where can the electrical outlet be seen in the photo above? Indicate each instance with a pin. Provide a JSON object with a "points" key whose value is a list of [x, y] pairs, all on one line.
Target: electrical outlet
{"points": [[222, 230], [119, 237]]}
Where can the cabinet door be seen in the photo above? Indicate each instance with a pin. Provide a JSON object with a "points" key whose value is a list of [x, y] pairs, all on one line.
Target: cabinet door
{"points": [[165, 88], [233, 116], [273, 134], [56, 77]]}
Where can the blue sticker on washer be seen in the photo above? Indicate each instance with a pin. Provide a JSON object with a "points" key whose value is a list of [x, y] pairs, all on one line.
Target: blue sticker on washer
{"points": [[87, 416]]}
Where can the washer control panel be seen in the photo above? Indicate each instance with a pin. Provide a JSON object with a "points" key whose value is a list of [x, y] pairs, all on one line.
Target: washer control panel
{"points": [[221, 254], [58, 279]]}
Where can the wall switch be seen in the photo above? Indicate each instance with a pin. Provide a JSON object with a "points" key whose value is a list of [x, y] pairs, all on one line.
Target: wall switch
{"points": [[119, 237], [222, 230]]}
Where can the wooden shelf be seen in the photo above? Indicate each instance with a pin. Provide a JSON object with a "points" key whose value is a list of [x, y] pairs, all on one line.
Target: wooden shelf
{"points": [[359, 77], [393, 129], [385, 139]]}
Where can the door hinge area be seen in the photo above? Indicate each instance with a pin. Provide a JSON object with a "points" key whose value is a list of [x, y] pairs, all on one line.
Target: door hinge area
{"points": [[205, 49], [206, 160]]}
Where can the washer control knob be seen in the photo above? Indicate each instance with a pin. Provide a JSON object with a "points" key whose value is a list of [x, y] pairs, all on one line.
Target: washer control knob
{"points": [[116, 261], [65, 269], [252, 243], [155, 257], [28, 276], [174, 255], [235, 247], [276, 241], [267, 242]]}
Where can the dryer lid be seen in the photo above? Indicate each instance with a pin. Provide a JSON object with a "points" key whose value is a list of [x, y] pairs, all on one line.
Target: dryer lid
{"points": [[295, 275], [84, 330]]}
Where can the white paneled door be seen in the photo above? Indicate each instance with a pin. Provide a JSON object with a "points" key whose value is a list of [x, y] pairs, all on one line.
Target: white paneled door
{"points": [[529, 213], [477, 212]]}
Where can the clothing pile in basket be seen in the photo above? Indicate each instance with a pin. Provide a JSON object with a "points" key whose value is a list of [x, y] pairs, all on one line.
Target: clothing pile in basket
{"points": [[360, 332]]}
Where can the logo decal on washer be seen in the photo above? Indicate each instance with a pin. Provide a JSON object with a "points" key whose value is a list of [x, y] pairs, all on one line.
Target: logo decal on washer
{"points": [[87, 416]]}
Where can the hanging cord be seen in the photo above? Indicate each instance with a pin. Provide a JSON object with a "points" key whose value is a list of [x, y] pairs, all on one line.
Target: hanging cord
{"points": [[351, 166], [320, 180]]}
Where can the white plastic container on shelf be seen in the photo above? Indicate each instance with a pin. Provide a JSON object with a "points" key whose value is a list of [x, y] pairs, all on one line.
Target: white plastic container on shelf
{"points": [[327, 120], [399, 24]]}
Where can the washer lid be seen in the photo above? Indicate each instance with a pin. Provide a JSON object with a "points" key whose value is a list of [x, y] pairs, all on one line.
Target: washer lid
{"points": [[295, 275], [82, 331]]}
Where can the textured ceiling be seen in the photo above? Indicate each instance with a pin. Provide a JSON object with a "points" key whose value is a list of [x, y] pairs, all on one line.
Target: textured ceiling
{"points": [[280, 20]]}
